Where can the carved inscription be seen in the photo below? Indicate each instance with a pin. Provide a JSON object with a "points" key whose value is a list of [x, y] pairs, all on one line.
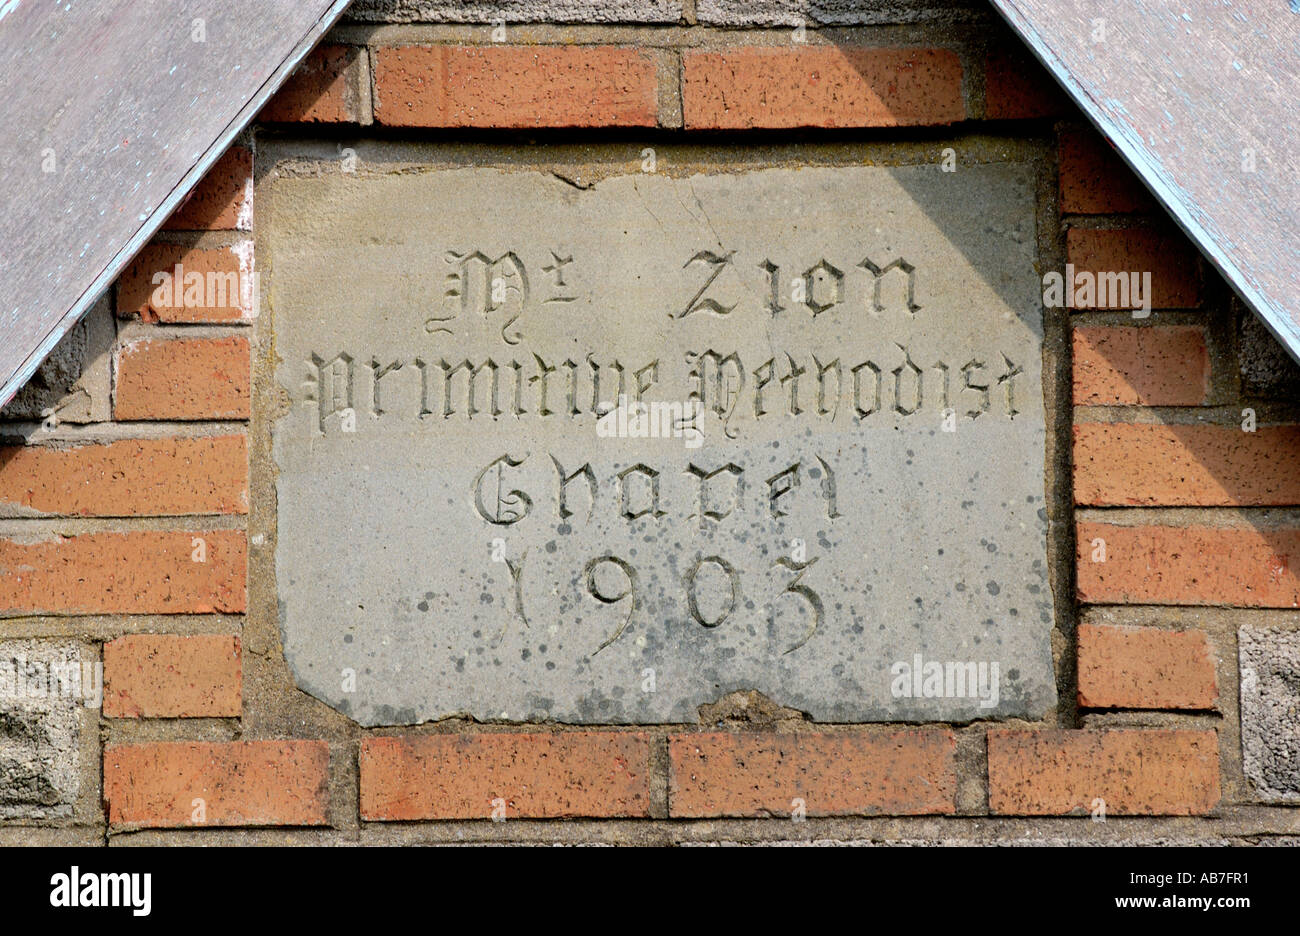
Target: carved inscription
{"points": [[782, 386], [718, 381], [601, 455]]}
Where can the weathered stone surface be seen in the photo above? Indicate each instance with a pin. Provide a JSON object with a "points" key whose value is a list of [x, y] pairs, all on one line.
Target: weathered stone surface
{"points": [[40, 727], [1266, 369], [516, 11], [835, 12], [1147, 841], [73, 384], [443, 549], [1270, 711]]}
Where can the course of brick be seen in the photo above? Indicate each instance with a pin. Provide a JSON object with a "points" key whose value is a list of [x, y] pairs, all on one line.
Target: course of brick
{"points": [[145, 572], [131, 537], [856, 773], [183, 379], [1165, 365], [250, 783], [223, 201], [1173, 263], [166, 676], [1014, 86], [216, 295], [1094, 180], [457, 86], [130, 478], [1124, 772], [519, 776], [1145, 668], [326, 88], [1129, 465], [1188, 565], [821, 87]]}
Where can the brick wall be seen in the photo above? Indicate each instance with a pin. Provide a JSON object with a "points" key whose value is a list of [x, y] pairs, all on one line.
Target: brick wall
{"points": [[125, 494]]}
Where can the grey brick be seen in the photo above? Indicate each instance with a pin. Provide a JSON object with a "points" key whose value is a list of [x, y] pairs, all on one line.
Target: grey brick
{"points": [[1270, 711], [516, 11], [1267, 371], [837, 12], [39, 732], [74, 382]]}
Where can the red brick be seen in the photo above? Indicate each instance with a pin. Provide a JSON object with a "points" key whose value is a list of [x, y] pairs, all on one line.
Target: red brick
{"points": [[1123, 465], [166, 676], [240, 783], [515, 86], [1156, 366], [223, 200], [1173, 263], [1095, 180], [142, 291], [143, 572], [1135, 772], [544, 775], [183, 379], [1017, 87], [325, 88], [852, 773], [131, 478], [1145, 668], [1194, 565], [821, 86]]}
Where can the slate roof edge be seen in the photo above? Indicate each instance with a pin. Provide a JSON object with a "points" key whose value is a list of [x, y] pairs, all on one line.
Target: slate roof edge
{"points": [[1278, 322], [155, 220]]}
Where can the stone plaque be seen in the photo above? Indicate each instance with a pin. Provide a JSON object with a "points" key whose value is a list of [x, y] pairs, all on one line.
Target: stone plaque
{"points": [[603, 452]]}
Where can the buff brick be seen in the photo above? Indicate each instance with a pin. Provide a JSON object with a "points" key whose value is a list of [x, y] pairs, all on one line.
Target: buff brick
{"points": [[166, 676], [141, 572], [1094, 179], [1156, 366], [821, 86], [1173, 263], [1017, 87], [1188, 565], [131, 478], [183, 379], [834, 773], [326, 88], [515, 86], [1125, 465], [222, 295], [550, 775], [1145, 668], [1134, 772], [223, 200], [238, 783]]}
